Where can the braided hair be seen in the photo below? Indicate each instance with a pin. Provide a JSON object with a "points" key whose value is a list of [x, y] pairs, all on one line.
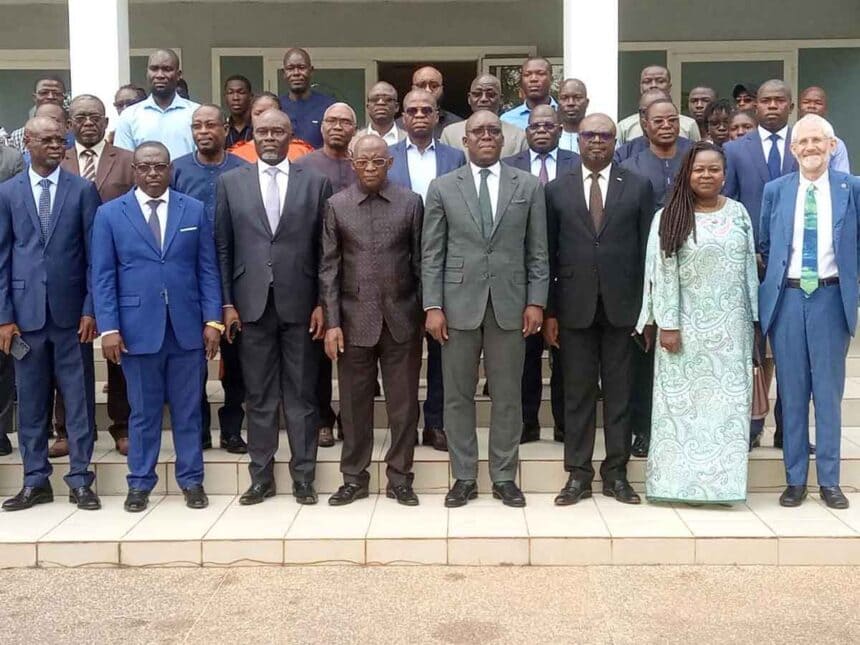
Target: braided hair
{"points": [[678, 221]]}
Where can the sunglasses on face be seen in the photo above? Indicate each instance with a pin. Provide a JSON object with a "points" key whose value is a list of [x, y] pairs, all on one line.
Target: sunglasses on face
{"points": [[588, 135], [547, 126], [424, 111], [376, 162], [146, 168]]}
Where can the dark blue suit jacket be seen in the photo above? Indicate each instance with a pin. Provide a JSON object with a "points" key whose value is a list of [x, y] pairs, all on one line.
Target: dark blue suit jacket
{"points": [[777, 233], [136, 286], [56, 274], [448, 159], [565, 161]]}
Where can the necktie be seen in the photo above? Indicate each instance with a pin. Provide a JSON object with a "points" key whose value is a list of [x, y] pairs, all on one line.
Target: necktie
{"points": [[485, 205], [543, 175], [89, 171], [272, 202], [154, 224], [595, 202], [809, 264], [45, 207], [774, 163]]}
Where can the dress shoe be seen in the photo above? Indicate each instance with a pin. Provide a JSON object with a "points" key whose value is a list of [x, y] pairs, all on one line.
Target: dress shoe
{"points": [[833, 497], [121, 446], [339, 434], [461, 492], [326, 438], [206, 441], [755, 442], [777, 438], [347, 494], [304, 493], [573, 491], [435, 437], [60, 448], [136, 501], [195, 496], [792, 496], [234, 444], [28, 497], [509, 493], [403, 493], [621, 490], [85, 498], [5, 445], [531, 432], [640, 447], [257, 493], [558, 434]]}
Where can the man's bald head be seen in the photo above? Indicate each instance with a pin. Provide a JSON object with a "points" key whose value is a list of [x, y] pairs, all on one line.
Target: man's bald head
{"points": [[596, 141], [773, 104], [55, 112], [371, 161], [370, 145], [341, 110], [775, 85], [419, 95], [430, 79], [338, 129], [46, 141], [152, 148], [485, 93], [272, 134], [649, 96], [543, 112], [655, 76]]}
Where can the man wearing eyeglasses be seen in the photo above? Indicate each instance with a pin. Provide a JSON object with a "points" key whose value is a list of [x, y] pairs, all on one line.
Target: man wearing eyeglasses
{"points": [[430, 80], [382, 108], [50, 89]]}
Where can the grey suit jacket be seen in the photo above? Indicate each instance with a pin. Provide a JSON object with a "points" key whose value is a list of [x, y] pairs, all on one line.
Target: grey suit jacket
{"points": [[461, 269], [11, 163]]}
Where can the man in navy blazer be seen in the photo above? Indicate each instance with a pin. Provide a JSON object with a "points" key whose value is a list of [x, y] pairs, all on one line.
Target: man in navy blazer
{"points": [[810, 244], [417, 160], [158, 303], [546, 161], [46, 218]]}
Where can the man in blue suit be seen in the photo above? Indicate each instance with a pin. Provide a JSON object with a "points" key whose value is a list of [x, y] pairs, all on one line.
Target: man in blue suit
{"points": [[158, 303], [46, 218], [418, 160], [546, 161], [810, 244]]}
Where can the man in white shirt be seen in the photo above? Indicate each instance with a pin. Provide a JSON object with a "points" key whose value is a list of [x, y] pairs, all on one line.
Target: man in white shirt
{"points": [[654, 76], [382, 108]]}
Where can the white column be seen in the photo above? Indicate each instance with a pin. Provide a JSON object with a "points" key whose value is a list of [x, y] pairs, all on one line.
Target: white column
{"points": [[591, 50], [98, 48]]}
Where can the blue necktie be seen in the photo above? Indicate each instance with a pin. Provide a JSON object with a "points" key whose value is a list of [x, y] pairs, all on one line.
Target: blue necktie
{"points": [[45, 207], [774, 163]]}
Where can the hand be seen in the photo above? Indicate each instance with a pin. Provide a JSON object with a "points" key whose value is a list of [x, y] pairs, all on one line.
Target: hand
{"points": [[333, 343], [648, 334], [87, 329], [436, 325], [670, 340], [113, 348], [317, 328], [231, 316], [532, 320], [211, 340], [550, 332], [7, 331]]}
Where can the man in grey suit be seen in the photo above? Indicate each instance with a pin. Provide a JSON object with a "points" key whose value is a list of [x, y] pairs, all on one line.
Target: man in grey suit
{"points": [[268, 219], [485, 276]]}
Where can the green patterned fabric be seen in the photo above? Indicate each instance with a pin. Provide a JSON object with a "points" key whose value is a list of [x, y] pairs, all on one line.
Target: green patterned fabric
{"points": [[809, 264]]}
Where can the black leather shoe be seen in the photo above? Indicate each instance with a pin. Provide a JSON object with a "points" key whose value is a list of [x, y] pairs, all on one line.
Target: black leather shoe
{"points": [[792, 496], [5, 445], [206, 441], [85, 498], [257, 493], [304, 493], [833, 497], [325, 437], [755, 442], [234, 444], [641, 445], [28, 497], [461, 492], [136, 501], [509, 493], [403, 493], [347, 494], [621, 490], [558, 434], [531, 432], [195, 497], [435, 437], [573, 491], [777, 438]]}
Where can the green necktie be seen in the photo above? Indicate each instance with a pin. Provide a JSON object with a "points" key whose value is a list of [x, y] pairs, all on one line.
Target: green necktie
{"points": [[485, 205], [809, 264]]}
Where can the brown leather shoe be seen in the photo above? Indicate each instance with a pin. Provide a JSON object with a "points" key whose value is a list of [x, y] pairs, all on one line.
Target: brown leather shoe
{"points": [[435, 437], [122, 446], [326, 438], [60, 448]]}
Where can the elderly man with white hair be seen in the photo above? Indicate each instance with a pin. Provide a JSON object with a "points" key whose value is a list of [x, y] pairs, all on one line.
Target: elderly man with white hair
{"points": [[810, 244]]}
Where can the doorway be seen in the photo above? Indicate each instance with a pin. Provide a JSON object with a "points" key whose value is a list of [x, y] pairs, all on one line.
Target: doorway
{"points": [[457, 75]]}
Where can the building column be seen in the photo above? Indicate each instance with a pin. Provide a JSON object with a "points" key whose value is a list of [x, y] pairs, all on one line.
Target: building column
{"points": [[98, 48], [591, 50]]}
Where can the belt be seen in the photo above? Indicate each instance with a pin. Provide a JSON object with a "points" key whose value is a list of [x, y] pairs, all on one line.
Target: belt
{"points": [[824, 282]]}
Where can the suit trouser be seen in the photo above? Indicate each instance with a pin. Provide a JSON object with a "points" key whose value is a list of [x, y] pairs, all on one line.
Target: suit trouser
{"points": [[605, 352], [280, 363], [643, 389], [401, 364], [327, 417], [532, 385], [504, 352], [231, 414], [7, 392], [117, 405], [556, 388], [172, 376], [55, 356], [810, 343], [435, 402]]}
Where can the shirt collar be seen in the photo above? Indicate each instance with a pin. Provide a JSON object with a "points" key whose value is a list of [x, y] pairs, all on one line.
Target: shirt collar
{"points": [[820, 183], [409, 144], [391, 130], [98, 148], [178, 103], [765, 134], [552, 154], [284, 167], [363, 195], [143, 198], [603, 173], [525, 109], [495, 169], [35, 177]]}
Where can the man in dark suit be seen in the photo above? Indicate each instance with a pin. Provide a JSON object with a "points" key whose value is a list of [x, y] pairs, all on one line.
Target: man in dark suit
{"points": [[416, 161], [46, 217], [598, 221], [370, 280], [546, 161], [268, 219], [485, 278]]}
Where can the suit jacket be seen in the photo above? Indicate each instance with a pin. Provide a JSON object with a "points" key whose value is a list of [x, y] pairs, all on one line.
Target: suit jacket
{"points": [[746, 172], [777, 235], [565, 161], [114, 175], [515, 138], [447, 159], [137, 286], [370, 270], [461, 269], [252, 257], [35, 276], [11, 162], [586, 264]]}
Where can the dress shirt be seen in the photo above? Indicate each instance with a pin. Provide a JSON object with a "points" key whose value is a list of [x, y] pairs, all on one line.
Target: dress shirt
{"points": [[602, 181], [629, 128], [551, 167], [839, 160], [198, 180], [391, 137], [422, 167], [766, 143], [146, 121], [826, 256], [143, 199], [519, 115], [569, 141], [492, 183], [282, 178], [35, 178], [82, 160]]}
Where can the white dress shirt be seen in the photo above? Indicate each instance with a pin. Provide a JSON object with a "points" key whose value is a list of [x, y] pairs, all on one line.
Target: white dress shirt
{"points": [[82, 160], [569, 141], [826, 256], [422, 166], [35, 178], [551, 166], [282, 178], [766, 143], [142, 199], [391, 137], [492, 183], [602, 181]]}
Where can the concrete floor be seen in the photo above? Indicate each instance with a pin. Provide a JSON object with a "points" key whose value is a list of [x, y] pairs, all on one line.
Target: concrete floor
{"points": [[456, 605]]}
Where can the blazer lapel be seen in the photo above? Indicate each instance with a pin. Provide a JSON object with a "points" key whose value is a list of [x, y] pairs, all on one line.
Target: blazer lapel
{"points": [[789, 163], [579, 201], [105, 165], [839, 204], [135, 216], [29, 204], [294, 183], [255, 196], [787, 212], [470, 195], [614, 190], [59, 200], [175, 211], [756, 153], [508, 183]]}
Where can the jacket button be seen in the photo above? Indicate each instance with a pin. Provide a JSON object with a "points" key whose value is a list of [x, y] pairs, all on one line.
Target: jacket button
{"points": [[490, 249], [269, 263], [162, 261], [596, 244], [484, 276]]}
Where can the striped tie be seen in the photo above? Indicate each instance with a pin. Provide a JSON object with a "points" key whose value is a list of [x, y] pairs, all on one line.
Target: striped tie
{"points": [[809, 265], [44, 206], [89, 171]]}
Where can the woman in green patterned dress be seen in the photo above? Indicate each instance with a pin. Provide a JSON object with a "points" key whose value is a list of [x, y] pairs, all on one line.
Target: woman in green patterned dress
{"points": [[701, 290]]}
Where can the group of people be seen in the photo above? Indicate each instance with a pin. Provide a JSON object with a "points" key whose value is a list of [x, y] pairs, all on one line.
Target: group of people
{"points": [[652, 257]]}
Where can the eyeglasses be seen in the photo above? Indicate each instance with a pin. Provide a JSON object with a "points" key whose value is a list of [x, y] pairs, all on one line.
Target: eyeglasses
{"points": [[430, 86], [44, 93], [376, 162], [146, 168], [48, 141], [425, 111], [81, 119], [483, 130], [658, 121], [490, 93], [548, 126], [605, 137], [344, 122], [270, 132]]}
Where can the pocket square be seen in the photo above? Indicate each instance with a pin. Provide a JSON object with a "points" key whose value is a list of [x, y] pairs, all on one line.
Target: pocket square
{"points": [[189, 228], [519, 201]]}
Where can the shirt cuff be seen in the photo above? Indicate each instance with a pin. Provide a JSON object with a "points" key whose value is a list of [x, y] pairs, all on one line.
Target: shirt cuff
{"points": [[109, 332], [431, 308]]}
